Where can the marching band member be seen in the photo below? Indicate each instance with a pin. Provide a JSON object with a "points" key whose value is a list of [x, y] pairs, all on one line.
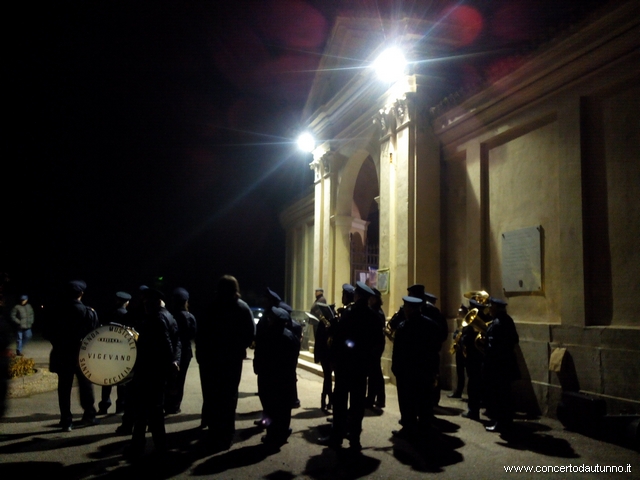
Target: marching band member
{"points": [[71, 321]]}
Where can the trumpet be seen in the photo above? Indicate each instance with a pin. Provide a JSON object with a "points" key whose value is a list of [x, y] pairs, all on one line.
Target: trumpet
{"points": [[322, 309], [392, 325], [326, 322], [342, 309], [389, 332], [319, 318]]}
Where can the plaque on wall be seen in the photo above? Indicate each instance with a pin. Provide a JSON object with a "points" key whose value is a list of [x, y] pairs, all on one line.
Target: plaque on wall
{"points": [[522, 260]]}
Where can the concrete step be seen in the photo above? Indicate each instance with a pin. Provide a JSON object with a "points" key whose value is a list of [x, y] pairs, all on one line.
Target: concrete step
{"points": [[305, 361]]}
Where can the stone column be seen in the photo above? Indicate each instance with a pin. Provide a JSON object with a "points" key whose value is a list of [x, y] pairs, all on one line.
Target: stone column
{"points": [[324, 273], [409, 196], [341, 255], [390, 210]]}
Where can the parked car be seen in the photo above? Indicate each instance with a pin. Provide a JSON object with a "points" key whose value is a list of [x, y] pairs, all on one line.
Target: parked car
{"points": [[257, 313]]}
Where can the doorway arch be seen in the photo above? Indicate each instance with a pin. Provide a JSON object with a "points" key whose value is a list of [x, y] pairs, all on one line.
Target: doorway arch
{"points": [[357, 207]]}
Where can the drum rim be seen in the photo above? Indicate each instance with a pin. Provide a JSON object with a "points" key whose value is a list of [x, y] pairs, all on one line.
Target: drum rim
{"points": [[85, 367]]}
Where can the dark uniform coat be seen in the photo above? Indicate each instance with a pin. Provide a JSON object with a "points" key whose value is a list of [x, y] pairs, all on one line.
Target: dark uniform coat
{"points": [[354, 348], [275, 362], [322, 349], [500, 367], [224, 334], [473, 362], [187, 332], [375, 383], [70, 323], [500, 358], [416, 347], [414, 363], [158, 349]]}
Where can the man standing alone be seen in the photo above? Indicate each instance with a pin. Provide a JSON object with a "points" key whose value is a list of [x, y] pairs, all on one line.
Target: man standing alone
{"points": [[315, 310], [22, 315]]}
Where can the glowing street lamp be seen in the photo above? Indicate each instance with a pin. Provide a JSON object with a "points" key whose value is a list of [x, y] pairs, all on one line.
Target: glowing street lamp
{"points": [[390, 65], [306, 142]]}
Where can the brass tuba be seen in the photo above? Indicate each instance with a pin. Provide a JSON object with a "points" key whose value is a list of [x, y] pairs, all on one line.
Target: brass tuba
{"points": [[471, 319], [458, 332], [479, 296], [481, 327]]}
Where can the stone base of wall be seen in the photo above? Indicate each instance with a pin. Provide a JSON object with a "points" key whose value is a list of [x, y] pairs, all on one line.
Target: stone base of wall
{"points": [[601, 361]]}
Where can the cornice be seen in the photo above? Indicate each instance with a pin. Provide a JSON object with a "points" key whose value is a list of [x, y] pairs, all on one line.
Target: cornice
{"points": [[298, 212], [359, 118], [603, 42], [349, 102]]}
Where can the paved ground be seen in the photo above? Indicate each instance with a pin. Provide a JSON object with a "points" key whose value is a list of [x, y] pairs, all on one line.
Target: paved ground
{"points": [[32, 447]]}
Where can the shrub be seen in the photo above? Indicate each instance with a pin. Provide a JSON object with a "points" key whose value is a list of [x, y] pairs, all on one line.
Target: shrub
{"points": [[21, 367]]}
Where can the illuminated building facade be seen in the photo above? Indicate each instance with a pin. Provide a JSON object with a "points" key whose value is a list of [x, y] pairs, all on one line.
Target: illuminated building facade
{"points": [[528, 189]]}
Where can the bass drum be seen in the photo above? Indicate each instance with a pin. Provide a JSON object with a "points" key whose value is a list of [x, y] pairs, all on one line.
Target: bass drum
{"points": [[108, 354]]}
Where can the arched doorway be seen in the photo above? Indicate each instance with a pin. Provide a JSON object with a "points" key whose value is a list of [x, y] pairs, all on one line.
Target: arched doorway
{"points": [[365, 234]]}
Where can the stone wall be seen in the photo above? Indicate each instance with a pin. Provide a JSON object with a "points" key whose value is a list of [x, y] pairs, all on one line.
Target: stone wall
{"points": [[555, 145]]}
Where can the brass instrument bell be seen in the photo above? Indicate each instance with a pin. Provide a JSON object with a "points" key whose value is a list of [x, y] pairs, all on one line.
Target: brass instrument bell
{"points": [[468, 319], [480, 326], [479, 296]]}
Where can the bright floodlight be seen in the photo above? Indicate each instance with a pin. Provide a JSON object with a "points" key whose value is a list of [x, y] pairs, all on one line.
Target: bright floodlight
{"points": [[306, 143], [390, 65]]}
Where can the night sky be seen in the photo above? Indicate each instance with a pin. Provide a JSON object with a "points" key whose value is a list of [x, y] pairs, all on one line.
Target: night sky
{"points": [[148, 139]]}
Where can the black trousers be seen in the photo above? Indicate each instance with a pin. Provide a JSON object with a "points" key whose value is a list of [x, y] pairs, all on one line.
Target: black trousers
{"points": [[460, 367], [105, 398], [276, 403], [474, 384], [147, 396], [175, 387], [415, 393], [497, 393], [65, 384], [220, 398], [349, 399], [327, 371], [129, 414], [375, 386]]}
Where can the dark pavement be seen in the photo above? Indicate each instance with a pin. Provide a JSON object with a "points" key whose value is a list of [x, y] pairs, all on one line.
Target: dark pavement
{"points": [[31, 446]]}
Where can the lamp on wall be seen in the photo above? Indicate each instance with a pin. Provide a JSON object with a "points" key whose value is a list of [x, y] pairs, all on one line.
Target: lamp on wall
{"points": [[306, 142], [390, 65]]}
